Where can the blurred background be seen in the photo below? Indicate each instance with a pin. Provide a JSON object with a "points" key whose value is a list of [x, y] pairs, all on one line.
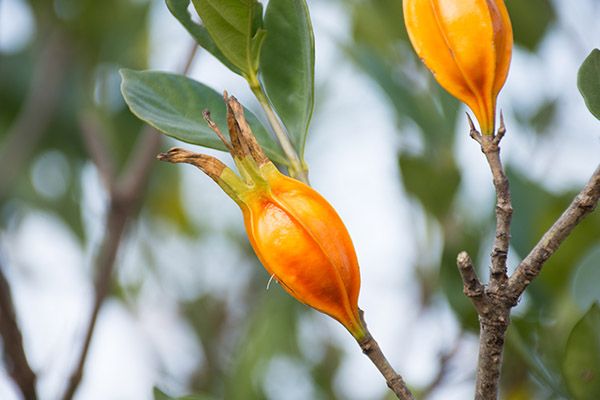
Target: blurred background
{"points": [[188, 309]]}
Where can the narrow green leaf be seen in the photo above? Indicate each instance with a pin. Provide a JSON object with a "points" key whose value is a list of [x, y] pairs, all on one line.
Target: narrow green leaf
{"points": [[174, 103], [236, 28], [588, 82], [581, 364], [179, 9], [287, 65]]}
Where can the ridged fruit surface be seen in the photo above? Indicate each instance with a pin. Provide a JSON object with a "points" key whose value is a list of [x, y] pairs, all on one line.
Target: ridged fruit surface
{"points": [[467, 45], [303, 243]]}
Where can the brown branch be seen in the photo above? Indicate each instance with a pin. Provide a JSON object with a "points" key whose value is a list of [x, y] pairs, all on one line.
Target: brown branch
{"points": [[124, 201], [14, 354], [125, 195], [491, 302], [472, 286], [494, 303], [117, 218], [123, 204], [490, 146], [371, 349], [583, 204], [37, 111], [494, 312], [493, 322]]}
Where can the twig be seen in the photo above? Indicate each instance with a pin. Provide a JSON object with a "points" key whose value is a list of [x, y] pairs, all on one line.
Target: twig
{"points": [[371, 349], [583, 204], [37, 111], [494, 303], [125, 197], [117, 218], [14, 353], [490, 302], [472, 286], [490, 146]]}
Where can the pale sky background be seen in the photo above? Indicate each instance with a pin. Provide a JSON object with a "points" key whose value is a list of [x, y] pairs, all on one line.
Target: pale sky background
{"points": [[53, 292]]}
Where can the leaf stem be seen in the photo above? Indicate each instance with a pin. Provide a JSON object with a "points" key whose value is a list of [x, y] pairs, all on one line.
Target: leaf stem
{"points": [[298, 169]]}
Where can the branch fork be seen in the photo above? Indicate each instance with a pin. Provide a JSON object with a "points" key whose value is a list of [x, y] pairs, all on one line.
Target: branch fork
{"points": [[495, 301]]}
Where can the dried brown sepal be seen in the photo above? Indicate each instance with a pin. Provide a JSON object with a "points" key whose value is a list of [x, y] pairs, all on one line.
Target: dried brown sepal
{"points": [[242, 139], [215, 128], [207, 164], [239, 149]]}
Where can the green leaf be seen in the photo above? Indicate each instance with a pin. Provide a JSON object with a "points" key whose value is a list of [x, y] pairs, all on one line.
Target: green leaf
{"points": [[173, 104], [581, 364], [287, 65], [236, 28], [588, 82], [584, 288], [179, 9]]}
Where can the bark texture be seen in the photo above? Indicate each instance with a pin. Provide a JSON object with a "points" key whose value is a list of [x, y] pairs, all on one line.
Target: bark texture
{"points": [[495, 301]]}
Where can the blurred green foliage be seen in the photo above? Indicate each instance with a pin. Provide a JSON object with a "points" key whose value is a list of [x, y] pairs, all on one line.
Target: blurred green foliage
{"points": [[581, 364], [547, 351]]}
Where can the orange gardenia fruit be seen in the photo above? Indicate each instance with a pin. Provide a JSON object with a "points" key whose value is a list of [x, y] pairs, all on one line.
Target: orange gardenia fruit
{"points": [[303, 243], [467, 45], [296, 234]]}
